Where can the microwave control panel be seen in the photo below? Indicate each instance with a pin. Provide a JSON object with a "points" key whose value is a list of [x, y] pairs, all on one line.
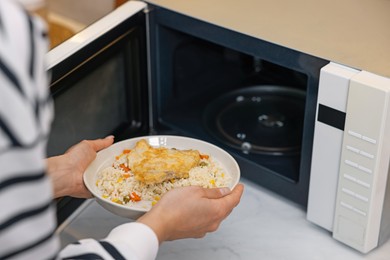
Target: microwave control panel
{"points": [[364, 164], [327, 142]]}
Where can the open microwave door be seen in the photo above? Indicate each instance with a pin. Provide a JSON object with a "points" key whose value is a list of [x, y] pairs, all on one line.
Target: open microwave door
{"points": [[99, 85]]}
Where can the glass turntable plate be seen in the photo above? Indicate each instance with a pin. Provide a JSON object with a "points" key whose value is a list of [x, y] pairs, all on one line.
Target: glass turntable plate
{"points": [[264, 119]]}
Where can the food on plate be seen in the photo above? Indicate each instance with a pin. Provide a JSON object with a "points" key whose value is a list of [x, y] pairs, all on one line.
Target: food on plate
{"points": [[155, 165], [176, 168]]}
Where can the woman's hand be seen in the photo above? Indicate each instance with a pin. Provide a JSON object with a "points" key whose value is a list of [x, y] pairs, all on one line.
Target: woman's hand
{"points": [[66, 171], [191, 212]]}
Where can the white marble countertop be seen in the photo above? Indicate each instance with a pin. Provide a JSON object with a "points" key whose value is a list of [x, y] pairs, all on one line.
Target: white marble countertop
{"points": [[263, 226]]}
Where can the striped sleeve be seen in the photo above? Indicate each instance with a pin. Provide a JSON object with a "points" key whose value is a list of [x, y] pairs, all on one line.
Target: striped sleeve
{"points": [[128, 241], [27, 215]]}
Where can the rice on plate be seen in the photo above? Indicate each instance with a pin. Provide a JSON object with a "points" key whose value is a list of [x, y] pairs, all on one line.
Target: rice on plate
{"points": [[117, 189]]}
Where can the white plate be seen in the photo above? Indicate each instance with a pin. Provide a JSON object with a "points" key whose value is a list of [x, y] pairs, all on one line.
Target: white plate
{"points": [[106, 157]]}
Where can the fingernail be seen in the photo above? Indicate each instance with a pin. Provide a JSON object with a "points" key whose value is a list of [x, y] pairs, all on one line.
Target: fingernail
{"points": [[224, 191], [110, 136]]}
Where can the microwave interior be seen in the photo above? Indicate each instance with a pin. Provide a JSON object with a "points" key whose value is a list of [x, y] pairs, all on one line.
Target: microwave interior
{"points": [[252, 107], [186, 77], [255, 99]]}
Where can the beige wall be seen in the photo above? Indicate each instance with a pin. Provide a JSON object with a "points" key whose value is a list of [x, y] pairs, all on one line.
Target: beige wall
{"points": [[82, 11]]}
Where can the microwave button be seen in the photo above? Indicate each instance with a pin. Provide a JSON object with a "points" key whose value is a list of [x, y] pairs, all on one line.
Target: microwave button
{"points": [[349, 177], [346, 205], [368, 155], [353, 149], [362, 168], [347, 191], [354, 194], [350, 230], [363, 183], [357, 135], [351, 163], [357, 151], [350, 207], [360, 182], [361, 212], [361, 197], [355, 165], [368, 139]]}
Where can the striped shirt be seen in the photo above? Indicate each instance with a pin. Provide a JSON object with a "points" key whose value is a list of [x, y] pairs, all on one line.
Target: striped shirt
{"points": [[27, 211]]}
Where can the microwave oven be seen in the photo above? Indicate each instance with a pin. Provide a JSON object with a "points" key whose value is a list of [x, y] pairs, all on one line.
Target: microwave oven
{"points": [[144, 69]]}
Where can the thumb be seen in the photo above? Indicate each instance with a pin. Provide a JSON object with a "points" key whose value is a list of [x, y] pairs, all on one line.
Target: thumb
{"points": [[100, 144], [216, 193]]}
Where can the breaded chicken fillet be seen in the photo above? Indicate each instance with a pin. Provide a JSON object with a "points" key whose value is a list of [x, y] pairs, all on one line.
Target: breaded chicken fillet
{"points": [[155, 165]]}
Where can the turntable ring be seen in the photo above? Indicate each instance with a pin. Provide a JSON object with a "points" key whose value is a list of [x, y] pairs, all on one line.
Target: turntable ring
{"points": [[265, 119]]}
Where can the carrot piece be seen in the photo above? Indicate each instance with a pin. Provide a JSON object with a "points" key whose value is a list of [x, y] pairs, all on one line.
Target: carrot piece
{"points": [[124, 167], [134, 197], [204, 156]]}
